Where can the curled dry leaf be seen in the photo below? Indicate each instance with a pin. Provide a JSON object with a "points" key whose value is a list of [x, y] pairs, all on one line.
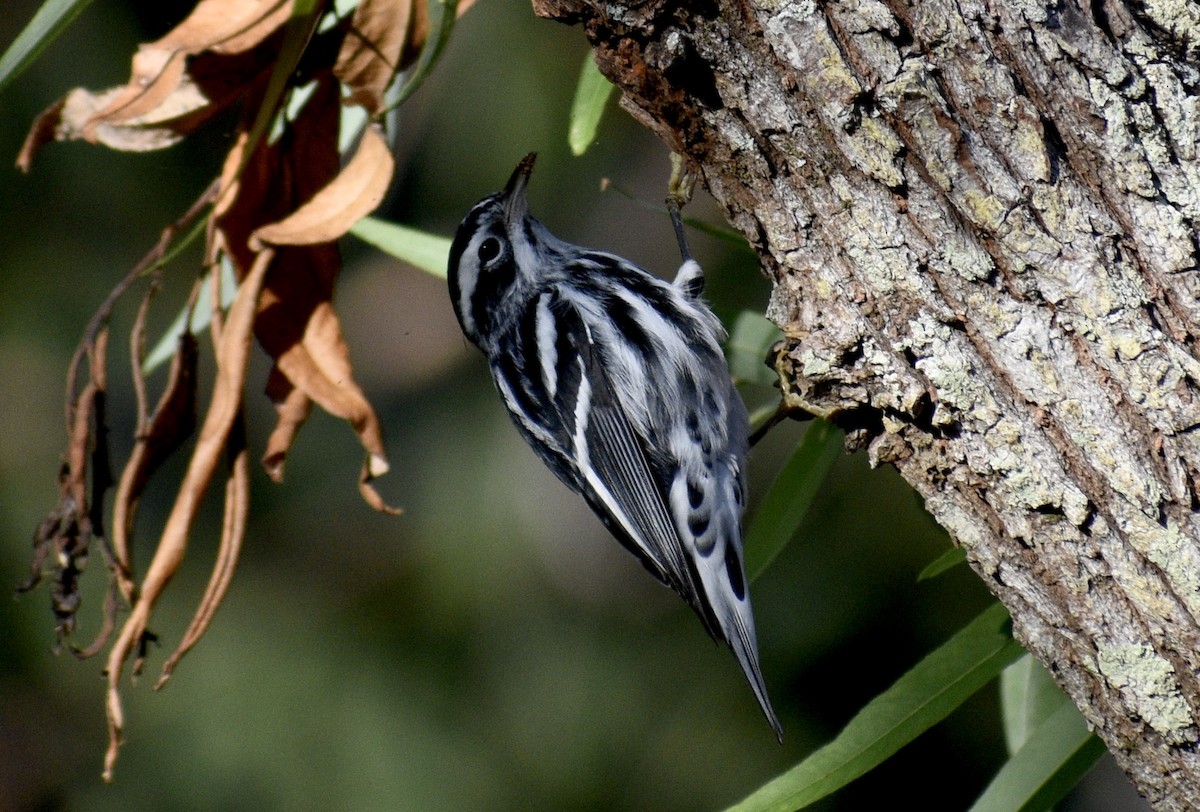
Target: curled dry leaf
{"points": [[383, 38], [173, 421], [226, 26], [219, 26], [63, 540], [176, 84], [370, 54], [293, 407], [297, 324], [277, 209], [349, 197], [233, 531], [223, 410]]}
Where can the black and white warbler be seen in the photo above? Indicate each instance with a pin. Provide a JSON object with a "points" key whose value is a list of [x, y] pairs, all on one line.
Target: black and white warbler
{"points": [[617, 381]]}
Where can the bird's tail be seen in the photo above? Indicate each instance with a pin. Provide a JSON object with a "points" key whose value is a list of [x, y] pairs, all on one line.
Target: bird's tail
{"points": [[723, 575], [738, 626]]}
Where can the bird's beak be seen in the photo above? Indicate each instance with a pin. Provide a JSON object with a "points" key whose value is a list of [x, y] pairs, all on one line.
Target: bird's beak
{"points": [[515, 205]]}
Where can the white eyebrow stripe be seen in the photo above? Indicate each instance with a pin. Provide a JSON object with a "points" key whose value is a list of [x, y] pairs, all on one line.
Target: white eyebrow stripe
{"points": [[468, 278]]}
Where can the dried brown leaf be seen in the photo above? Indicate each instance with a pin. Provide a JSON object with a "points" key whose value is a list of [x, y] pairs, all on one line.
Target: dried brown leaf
{"points": [[299, 328], [108, 622], [43, 131], [368, 492], [278, 209], [316, 366], [292, 191], [278, 177], [159, 68], [350, 196], [370, 54], [233, 532], [383, 38], [63, 538], [74, 118], [178, 113], [137, 350], [293, 407], [155, 76], [173, 421], [226, 26], [223, 410], [81, 412], [213, 58]]}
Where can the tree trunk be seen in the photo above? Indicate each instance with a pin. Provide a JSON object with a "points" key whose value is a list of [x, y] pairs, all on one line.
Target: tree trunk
{"points": [[980, 220]]}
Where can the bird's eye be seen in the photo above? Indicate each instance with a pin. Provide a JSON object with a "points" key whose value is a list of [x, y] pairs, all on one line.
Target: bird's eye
{"points": [[489, 249]]}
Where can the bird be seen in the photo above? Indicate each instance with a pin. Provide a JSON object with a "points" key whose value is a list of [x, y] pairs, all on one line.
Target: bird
{"points": [[616, 379]]}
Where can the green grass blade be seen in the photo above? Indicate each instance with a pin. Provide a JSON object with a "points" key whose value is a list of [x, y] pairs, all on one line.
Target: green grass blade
{"points": [[916, 702], [591, 97], [946, 561], [1028, 697], [50, 20], [786, 503], [423, 250], [1052, 761]]}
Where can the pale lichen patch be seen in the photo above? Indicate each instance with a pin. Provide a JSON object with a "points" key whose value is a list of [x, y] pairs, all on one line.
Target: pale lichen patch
{"points": [[1149, 683], [1174, 551]]}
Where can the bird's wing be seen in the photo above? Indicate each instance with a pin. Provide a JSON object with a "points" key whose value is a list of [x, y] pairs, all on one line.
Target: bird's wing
{"points": [[618, 479], [591, 435], [666, 514]]}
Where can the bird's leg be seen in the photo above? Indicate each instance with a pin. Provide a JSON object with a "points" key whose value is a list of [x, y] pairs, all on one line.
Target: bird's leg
{"points": [[690, 277]]}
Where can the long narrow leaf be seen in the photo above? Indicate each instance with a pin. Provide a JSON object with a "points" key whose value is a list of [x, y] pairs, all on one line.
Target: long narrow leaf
{"points": [[442, 14], [746, 350], [49, 21], [423, 250], [1028, 697], [785, 505], [296, 35], [591, 96], [916, 702], [1052, 761], [946, 561]]}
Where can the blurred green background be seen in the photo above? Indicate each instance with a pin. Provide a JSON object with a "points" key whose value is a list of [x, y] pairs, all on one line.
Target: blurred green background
{"points": [[492, 648]]}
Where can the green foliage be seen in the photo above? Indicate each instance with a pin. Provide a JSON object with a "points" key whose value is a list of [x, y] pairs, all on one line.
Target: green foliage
{"points": [[591, 97], [428, 252], [1028, 697], [944, 562], [1052, 760], [916, 702], [785, 505], [50, 20], [1048, 740], [442, 15], [749, 340]]}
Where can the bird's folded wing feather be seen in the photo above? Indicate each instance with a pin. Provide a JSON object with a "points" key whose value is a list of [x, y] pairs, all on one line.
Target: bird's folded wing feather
{"points": [[614, 472]]}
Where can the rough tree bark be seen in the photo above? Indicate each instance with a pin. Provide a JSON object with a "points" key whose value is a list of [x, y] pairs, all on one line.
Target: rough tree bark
{"points": [[980, 220]]}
